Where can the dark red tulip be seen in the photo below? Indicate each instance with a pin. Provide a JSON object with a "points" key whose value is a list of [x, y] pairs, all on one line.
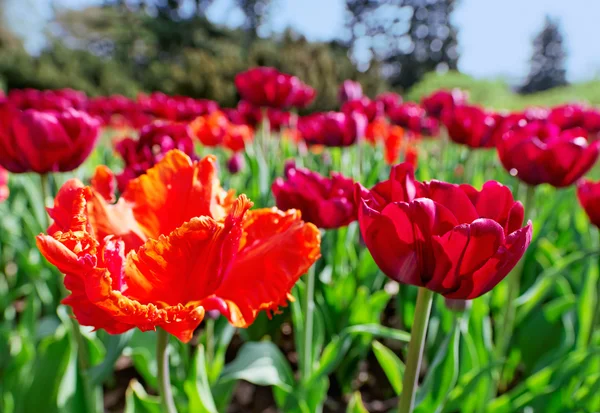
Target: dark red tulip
{"points": [[236, 163], [118, 111], [441, 100], [3, 184], [268, 87], [155, 140], [350, 90], [58, 100], [389, 100], [413, 117], [588, 193], [332, 128], [42, 142], [176, 108], [591, 121], [304, 96], [370, 108], [326, 202], [539, 152], [451, 239], [567, 116], [471, 126]]}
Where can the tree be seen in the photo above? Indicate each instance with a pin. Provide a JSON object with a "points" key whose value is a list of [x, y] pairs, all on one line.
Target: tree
{"points": [[409, 37], [548, 60]]}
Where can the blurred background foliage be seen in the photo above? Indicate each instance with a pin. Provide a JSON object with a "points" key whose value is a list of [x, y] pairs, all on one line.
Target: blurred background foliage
{"points": [[128, 47]]}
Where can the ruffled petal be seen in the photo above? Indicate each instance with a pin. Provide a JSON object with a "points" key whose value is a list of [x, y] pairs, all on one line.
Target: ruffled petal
{"points": [[176, 190], [188, 264], [103, 182], [277, 248]]}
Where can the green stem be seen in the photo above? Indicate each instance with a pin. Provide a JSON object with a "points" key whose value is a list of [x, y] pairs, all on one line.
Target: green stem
{"points": [[210, 340], [596, 315], [164, 379], [309, 322], [45, 186], [415, 350]]}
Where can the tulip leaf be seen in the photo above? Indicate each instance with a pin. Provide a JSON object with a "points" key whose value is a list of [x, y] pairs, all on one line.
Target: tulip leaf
{"points": [[391, 364], [115, 344], [262, 364], [197, 387], [355, 405], [138, 401]]}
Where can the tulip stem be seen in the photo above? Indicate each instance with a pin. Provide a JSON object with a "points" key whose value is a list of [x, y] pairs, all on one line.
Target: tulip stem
{"points": [[596, 314], [415, 350], [45, 186], [210, 340], [309, 321], [164, 377]]}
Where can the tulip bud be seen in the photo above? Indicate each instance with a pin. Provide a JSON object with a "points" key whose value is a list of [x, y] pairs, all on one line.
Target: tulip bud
{"points": [[236, 163]]}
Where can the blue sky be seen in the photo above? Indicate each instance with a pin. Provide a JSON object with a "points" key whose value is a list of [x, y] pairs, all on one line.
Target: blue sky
{"points": [[494, 35]]}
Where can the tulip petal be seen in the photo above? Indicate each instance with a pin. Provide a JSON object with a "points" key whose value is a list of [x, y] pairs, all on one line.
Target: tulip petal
{"points": [[176, 190], [497, 267], [278, 247], [453, 198], [188, 264], [103, 182]]}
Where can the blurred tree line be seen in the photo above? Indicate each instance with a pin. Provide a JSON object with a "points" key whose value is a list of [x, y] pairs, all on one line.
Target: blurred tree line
{"points": [[131, 46]]}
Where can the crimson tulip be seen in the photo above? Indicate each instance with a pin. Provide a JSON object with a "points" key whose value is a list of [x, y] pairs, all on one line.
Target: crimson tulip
{"points": [[370, 108], [413, 118], [350, 90], [471, 126], [332, 128], [155, 141], [588, 193], [539, 152], [389, 100], [60, 99], [43, 142], [441, 100], [451, 239], [268, 87], [325, 202], [176, 108]]}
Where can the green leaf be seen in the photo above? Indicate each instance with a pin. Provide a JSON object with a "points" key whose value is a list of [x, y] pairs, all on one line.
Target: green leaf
{"points": [[262, 364], [138, 401], [197, 387], [391, 365], [355, 405], [50, 367], [441, 377]]}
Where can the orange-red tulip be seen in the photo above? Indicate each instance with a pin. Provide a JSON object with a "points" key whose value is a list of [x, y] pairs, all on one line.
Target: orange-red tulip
{"points": [[173, 247]]}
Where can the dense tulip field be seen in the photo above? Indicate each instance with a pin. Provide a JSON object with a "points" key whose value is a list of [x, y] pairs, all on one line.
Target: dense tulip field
{"points": [[164, 254]]}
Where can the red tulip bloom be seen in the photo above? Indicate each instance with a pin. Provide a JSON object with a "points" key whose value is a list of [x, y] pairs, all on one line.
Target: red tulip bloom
{"points": [[451, 239], [393, 144], [588, 193], [539, 152], [326, 202], [154, 142], [267, 87], [176, 108], [42, 142], [471, 126], [332, 128], [304, 96], [350, 90], [174, 247], [3, 184], [58, 100], [370, 108], [388, 100], [118, 111], [215, 130], [441, 100], [413, 118]]}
